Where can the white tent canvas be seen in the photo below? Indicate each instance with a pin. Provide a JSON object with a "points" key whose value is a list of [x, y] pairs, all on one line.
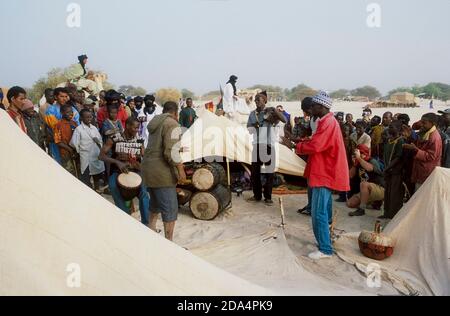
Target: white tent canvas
{"points": [[52, 227], [217, 136], [421, 260]]}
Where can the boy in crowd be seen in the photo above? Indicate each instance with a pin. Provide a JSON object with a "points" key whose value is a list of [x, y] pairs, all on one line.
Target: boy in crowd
{"points": [[87, 142], [63, 132]]}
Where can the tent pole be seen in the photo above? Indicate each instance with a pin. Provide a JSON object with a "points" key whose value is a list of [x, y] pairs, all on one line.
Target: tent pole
{"points": [[229, 181]]}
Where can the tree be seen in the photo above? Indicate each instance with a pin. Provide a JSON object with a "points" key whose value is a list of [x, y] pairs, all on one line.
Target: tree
{"points": [[340, 94], [367, 91], [187, 94], [131, 91], [300, 92], [212, 95], [168, 94], [275, 91], [53, 78]]}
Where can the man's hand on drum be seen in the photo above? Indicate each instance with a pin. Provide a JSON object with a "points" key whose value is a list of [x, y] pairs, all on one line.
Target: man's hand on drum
{"points": [[123, 167]]}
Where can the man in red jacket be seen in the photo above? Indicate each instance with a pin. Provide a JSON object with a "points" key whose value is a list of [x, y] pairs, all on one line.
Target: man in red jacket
{"points": [[326, 171], [427, 151]]}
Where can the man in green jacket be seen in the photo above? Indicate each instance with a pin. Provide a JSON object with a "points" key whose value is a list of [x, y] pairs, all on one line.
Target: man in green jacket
{"points": [[163, 168]]}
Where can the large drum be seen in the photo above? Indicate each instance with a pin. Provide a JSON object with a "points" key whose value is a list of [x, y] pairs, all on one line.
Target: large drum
{"points": [[375, 245], [129, 185], [209, 176], [208, 205]]}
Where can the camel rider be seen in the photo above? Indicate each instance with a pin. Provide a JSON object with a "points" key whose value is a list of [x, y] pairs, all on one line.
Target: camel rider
{"points": [[78, 75]]}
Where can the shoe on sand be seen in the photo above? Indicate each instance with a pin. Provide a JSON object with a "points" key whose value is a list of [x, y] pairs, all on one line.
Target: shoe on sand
{"points": [[268, 202], [358, 212], [253, 200], [318, 255]]}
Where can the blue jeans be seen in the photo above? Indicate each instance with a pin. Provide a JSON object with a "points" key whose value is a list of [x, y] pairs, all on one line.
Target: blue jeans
{"points": [[322, 216], [144, 199]]}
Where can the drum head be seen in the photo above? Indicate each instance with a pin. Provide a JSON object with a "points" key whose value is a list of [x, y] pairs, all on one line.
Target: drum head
{"points": [[129, 180], [204, 178]]}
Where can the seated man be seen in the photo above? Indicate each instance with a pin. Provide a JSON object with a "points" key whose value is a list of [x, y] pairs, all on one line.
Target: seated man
{"points": [[78, 75], [127, 152], [369, 172]]}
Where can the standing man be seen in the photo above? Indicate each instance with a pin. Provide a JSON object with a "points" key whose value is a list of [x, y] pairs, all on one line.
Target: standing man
{"points": [[163, 168], [188, 115], [127, 151], [427, 151], [261, 124], [34, 124], [16, 97], [326, 171], [112, 98], [49, 100], [230, 96], [445, 135], [146, 115]]}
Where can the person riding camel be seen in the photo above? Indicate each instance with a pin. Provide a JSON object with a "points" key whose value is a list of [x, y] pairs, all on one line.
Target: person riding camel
{"points": [[81, 77]]}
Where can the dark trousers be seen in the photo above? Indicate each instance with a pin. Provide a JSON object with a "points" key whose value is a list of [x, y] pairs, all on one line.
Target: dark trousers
{"points": [[263, 155], [393, 194]]}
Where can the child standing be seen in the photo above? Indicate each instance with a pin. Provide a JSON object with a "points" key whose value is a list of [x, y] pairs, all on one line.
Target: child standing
{"points": [[87, 142], [63, 133]]}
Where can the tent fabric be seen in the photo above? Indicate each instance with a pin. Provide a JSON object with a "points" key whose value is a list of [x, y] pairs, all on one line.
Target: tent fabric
{"points": [[266, 259], [50, 221], [217, 136], [420, 264]]}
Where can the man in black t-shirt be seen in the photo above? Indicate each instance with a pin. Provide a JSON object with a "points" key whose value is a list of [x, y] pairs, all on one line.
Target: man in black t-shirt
{"points": [[127, 152]]}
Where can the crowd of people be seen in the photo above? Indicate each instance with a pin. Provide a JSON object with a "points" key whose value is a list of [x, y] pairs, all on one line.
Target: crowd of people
{"points": [[96, 139], [373, 161]]}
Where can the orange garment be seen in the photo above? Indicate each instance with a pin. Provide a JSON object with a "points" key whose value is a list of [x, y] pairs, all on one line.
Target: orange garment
{"points": [[63, 134]]}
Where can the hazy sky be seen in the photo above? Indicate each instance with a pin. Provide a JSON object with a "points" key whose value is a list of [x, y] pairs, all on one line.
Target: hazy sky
{"points": [[197, 44]]}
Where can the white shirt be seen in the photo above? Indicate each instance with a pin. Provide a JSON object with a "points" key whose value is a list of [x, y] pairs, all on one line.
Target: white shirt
{"points": [[228, 99], [314, 124], [148, 118], [83, 140]]}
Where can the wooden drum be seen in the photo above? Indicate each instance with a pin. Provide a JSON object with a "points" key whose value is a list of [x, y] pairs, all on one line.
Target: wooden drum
{"points": [[129, 185], [208, 176], [208, 205]]}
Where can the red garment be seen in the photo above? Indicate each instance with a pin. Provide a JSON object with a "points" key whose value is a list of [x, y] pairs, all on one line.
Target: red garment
{"points": [[427, 158], [327, 162], [17, 118], [102, 115]]}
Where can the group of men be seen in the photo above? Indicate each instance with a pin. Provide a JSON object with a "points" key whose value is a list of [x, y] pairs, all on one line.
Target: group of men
{"points": [[372, 161], [98, 144]]}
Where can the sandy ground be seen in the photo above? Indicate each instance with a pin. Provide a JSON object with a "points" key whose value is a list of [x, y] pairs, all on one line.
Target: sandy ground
{"points": [[246, 220]]}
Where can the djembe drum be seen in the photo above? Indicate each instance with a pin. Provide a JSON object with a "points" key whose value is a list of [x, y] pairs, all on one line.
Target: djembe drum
{"points": [[129, 185]]}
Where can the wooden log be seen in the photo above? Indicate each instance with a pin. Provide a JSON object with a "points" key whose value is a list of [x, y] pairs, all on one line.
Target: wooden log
{"points": [[208, 205], [208, 176]]}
